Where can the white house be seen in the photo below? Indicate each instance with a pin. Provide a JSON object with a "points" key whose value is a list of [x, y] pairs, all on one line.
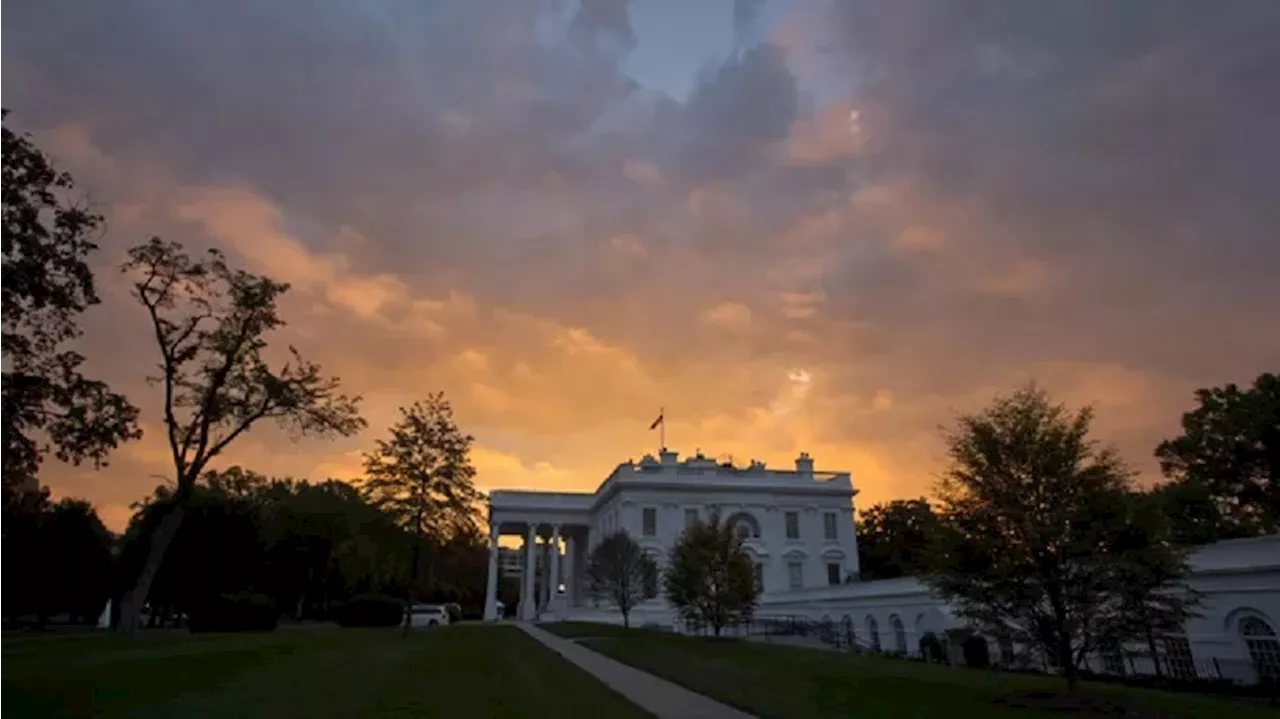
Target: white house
{"points": [[799, 529]]}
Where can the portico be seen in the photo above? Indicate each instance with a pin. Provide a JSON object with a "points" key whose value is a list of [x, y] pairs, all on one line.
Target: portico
{"points": [[555, 530]]}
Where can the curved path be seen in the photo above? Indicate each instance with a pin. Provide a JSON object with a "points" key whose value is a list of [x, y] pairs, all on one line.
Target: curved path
{"points": [[657, 696]]}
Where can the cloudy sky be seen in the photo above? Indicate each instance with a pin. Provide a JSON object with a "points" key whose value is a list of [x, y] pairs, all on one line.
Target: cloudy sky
{"points": [[804, 225]]}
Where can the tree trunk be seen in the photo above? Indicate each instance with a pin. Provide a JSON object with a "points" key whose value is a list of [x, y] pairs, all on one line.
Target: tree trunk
{"points": [[626, 618], [413, 580], [132, 601], [1068, 664]]}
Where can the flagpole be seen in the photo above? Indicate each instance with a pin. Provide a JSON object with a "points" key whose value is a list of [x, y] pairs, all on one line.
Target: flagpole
{"points": [[662, 429]]}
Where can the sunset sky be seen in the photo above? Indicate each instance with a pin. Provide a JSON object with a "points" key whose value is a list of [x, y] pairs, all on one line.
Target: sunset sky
{"points": [[796, 225]]}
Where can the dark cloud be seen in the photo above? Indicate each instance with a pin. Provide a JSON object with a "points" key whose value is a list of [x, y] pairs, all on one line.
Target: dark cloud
{"points": [[475, 195]]}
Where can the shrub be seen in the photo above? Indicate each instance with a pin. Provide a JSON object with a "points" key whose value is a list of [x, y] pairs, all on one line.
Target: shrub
{"points": [[976, 652], [370, 610], [931, 648], [240, 612]]}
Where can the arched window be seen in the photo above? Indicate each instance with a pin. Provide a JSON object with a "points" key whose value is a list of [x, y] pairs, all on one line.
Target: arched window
{"points": [[1264, 647], [873, 633], [744, 525], [899, 634]]}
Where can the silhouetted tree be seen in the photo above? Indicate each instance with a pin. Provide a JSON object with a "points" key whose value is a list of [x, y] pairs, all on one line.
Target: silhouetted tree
{"points": [[1040, 539], [894, 538], [619, 570], [1225, 465], [422, 476], [76, 548], [711, 579], [57, 559], [211, 324], [46, 285], [24, 515], [1154, 599]]}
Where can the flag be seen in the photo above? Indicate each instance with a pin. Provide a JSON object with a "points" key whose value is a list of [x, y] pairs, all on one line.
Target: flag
{"points": [[656, 422]]}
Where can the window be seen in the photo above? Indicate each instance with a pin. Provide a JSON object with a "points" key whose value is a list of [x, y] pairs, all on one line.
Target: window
{"points": [[795, 572], [829, 526], [1177, 652], [850, 636], [744, 526], [873, 633], [759, 572], [690, 517], [650, 583], [793, 525], [833, 573], [1263, 645], [650, 521], [899, 634]]}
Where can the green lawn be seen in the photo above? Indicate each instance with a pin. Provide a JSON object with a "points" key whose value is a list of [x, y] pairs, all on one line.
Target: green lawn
{"points": [[584, 630], [461, 671], [782, 681]]}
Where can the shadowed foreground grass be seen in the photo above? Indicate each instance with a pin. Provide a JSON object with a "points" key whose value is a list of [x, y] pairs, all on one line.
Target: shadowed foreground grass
{"points": [[461, 671], [782, 681], [596, 630]]}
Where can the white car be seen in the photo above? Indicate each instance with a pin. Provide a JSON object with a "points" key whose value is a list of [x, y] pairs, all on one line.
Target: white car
{"points": [[428, 615]]}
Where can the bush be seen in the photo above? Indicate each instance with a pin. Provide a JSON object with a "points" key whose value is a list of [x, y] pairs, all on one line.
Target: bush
{"points": [[370, 610], [241, 612], [931, 648], [976, 652]]}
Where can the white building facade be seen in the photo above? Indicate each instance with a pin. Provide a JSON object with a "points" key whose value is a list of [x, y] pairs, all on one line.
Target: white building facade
{"points": [[798, 527]]}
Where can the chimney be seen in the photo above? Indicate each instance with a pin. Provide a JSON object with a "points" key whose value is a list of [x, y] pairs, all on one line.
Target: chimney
{"points": [[804, 465]]}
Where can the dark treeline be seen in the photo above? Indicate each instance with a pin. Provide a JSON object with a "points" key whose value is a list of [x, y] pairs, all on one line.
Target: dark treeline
{"points": [[307, 546]]}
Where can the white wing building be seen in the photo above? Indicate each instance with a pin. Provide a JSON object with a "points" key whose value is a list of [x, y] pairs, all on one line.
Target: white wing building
{"points": [[798, 526]]}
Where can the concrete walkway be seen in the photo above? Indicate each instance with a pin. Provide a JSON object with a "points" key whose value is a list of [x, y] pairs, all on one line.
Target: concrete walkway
{"points": [[656, 696]]}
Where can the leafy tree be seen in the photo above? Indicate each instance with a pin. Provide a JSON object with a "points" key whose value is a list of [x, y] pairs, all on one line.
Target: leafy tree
{"points": [[46, 284], [620, 571], [711, 580], [422, 476], [57, 558], [76, 555], [894, 538], [1154, 601], [1039, 537], [1226, 463], [210, 323], [24, 515]]}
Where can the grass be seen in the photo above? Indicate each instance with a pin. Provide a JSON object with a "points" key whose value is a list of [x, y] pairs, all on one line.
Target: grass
{"points": [[794, 682], [596, 630], [459, 671]]}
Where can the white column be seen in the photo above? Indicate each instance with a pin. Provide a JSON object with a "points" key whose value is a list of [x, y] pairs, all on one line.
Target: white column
{"points": [[546, 575], [592, 537], [570, 572], [491, 588], [528, 602], [555, 562]]}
